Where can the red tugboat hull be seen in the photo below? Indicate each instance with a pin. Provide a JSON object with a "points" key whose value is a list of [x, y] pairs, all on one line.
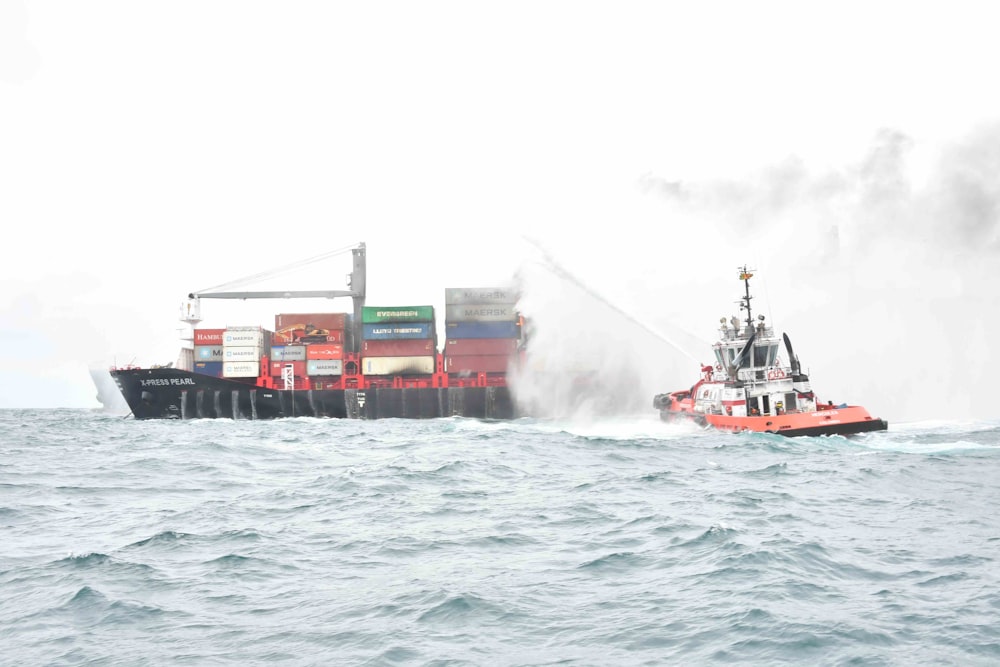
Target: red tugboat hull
{"points": [[846, 421]]}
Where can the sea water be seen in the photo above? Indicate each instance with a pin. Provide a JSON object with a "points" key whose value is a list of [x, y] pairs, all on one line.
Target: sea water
{"points": [[621, 541]]}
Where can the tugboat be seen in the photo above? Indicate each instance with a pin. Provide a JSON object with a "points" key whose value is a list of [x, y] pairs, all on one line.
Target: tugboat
{"points": [[750, 389]]}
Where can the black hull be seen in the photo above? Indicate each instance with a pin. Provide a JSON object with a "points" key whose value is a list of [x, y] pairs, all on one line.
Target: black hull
{"points": [[848, 429], [169, 393]]}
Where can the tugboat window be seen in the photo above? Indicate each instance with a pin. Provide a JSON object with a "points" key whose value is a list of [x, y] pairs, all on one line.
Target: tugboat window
{"points": [[760, 355]]}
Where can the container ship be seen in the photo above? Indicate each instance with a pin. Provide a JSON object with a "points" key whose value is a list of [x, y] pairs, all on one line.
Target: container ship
{"points": [[749, 388], [370, 363]]}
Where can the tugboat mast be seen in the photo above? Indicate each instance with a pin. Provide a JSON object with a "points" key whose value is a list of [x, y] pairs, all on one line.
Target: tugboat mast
{"points": [[745, 276]]}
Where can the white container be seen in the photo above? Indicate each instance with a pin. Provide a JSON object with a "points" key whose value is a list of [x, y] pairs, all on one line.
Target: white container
{"points": [[325, 367], [244, 337], [481, 312], [240, 353], [288, 353], [454, 296], [240, 369], [397, 365]]}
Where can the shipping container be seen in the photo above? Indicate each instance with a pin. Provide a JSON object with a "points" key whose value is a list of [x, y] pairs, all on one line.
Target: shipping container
{"points": [[246, 353], [398, 365], [329, 321], [455, 296], [377, 314], [324, 351], [213, 368], [240, 369], [288, 352], [398, 348], [298, 368], [246, 337], [208, 352], [479, 346], [208, 336], [334, 336], [299, 336], [324, 367], [482, 330], [398, 331], [487, 363], [498, 312]]}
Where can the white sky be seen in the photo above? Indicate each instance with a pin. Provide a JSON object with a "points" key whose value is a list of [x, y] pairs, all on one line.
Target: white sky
{"points": [[152, 149]]}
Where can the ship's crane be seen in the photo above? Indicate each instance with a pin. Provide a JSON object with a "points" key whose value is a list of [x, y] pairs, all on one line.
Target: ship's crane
{"points": [[356, 283]]}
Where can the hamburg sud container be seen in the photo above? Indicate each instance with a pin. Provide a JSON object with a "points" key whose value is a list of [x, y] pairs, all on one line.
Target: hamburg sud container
{"points": [[481, 329], [242, 349], [398, 340]]}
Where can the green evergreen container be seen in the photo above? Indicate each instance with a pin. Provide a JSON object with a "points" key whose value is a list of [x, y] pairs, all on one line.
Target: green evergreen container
{"points": [[380, 314]]}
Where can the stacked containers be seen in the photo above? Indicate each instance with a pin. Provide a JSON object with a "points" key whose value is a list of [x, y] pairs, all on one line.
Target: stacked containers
{"points": [[312, 343], [242, 349], [208, 351], [398, 340], [482, 328]]}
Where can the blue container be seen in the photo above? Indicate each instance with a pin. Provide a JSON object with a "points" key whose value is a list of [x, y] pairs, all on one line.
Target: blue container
{"points": [[213, 368], [482, 330], [397, 331]]}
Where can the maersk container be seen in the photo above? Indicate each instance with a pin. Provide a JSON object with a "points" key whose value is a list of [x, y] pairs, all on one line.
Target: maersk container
{"points": [[246, 353], [398, 365], [208, 336], [213, 368], [479, 346], [324, 367], [455, 296], [208, 352], [482, 330], [298, 368], [324, 351], [240, 369], [397, 331], [246, 337], [481, 312], [288, 352], [397, 348], [485, 363], [377, 314], [329, 321]]}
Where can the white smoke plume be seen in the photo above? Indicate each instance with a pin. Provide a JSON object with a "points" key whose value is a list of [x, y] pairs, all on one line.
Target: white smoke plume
{"points": [[881, 271]]}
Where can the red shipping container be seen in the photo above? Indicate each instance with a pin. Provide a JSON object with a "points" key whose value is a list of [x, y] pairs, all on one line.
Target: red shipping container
{"points": [[208, 336], [298, 368], [416, 347], [480, 346], [324, 351], [329, 321], [298, 335], [491, 363]]}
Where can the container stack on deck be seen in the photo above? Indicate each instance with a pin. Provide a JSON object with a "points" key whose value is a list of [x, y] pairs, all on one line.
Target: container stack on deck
{"points": [[312, 346], [483, 330], [208, 351], [244, 349], [398, 340]]}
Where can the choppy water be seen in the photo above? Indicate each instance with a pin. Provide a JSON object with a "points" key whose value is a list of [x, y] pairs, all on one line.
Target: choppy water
{"points": [[459, 542]]}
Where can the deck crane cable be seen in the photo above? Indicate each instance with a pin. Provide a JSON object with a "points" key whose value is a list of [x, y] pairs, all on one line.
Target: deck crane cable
{"points": [[288, 268]]}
